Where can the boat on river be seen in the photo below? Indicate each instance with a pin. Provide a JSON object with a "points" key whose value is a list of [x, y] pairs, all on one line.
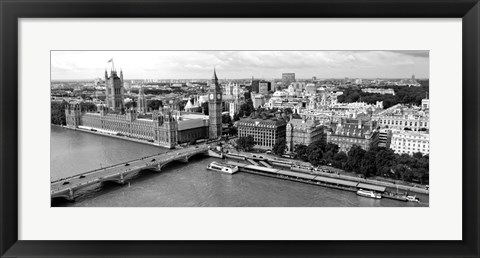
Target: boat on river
{"points": [[223, 167], [413, 198], [370, 194]]}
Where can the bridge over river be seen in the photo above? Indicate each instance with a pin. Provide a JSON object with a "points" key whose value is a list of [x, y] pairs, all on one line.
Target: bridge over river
{"points": [[68, 187]]}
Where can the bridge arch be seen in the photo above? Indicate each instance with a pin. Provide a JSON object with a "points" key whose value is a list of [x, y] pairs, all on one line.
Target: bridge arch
{"points": [[117, 179], [194, 154], [62, 196]]}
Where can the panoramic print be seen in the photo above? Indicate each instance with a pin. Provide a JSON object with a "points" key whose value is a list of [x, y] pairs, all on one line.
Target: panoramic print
{"points": [[239, 128]]}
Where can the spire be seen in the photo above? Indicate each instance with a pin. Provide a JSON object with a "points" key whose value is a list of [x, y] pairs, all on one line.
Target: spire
{"points": [[214, 75]]}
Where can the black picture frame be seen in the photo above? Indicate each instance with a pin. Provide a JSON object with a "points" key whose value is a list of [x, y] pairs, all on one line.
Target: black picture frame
{"points": [[11, 11]]}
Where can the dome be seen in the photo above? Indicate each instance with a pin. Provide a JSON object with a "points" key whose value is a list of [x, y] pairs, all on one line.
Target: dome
{"points": [[279, 94]]}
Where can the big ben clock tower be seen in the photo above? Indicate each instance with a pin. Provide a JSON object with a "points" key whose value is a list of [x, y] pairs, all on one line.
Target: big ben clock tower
{"points": [[215, 108]]}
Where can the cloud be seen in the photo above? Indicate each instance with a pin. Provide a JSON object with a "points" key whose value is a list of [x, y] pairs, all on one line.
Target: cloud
{"points": [[414, 53], [241, 64]]}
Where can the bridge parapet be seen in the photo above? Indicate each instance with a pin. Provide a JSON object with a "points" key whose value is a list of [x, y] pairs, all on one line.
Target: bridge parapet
{"points": [[67, 187]]}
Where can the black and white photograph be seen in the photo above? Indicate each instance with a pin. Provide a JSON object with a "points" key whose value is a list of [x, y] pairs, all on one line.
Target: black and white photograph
{"points": [[239, 128]]}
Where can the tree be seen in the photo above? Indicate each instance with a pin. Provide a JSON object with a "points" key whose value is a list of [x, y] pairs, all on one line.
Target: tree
{"points": [[288, 111], [417, 155], [57, 113], [315, 157], [233, 130], [302, 152], [402, 172], [181, 104], [355, 156], [403, 95], [226, 119], [279, 147], [154, 104], [315, 152], [330, 150], [316, 145], [236, 117], [88, 107], [205, 108], [246, 142], [385, 161], [247, 108], [367, 164], [296, 116], [339, 160], [131, 104]]}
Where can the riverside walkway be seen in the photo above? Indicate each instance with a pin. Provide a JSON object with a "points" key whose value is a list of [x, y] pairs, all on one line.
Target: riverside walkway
{"points": [[303, 167], [68, 187]]}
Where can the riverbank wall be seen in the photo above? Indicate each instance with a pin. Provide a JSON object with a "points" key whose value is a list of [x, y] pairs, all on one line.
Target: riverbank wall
{"points": [[112, 135], [274, 160]]}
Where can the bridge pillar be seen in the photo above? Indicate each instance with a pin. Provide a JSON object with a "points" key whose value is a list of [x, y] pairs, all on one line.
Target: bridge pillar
{"points": [[70, 194], [122, 178]]}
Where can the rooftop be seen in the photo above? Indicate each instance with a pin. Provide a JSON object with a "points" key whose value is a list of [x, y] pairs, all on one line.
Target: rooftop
{"points": [[262, 123], [351, 129]]}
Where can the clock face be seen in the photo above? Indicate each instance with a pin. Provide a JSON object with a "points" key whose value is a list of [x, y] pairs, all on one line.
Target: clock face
{"points": [[211, 96], [219, 96]]}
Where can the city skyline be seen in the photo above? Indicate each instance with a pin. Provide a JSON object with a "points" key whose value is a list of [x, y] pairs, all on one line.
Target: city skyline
{"points": [[354, 142], [88, 65]]}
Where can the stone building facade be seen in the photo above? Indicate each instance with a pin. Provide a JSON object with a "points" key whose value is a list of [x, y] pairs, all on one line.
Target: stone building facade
{"points": [[161, 128], [302, 131], [287, 78], [215, 108], [410, 142], [142, 102], [164, 127], [401, 117], [348, 133], [266, 133], [114, 91]]}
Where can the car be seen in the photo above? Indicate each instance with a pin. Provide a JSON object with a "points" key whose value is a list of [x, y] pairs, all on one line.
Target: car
{"points": [[66, 183], [268, 152], [153, 160], [127, 164], [82, 176]]}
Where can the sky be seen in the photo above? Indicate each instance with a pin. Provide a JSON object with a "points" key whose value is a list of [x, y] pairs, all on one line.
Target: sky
{"points": [[72, 65]]}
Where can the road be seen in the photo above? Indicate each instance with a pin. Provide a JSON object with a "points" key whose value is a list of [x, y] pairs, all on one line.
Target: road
{"points": [[100, 175]]}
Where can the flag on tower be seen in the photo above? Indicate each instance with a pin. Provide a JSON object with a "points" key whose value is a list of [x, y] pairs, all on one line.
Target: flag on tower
{"points": [[113, 64]]}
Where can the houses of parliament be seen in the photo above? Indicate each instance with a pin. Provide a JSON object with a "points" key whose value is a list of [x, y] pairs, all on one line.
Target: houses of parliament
{"points": [[164, 127]]}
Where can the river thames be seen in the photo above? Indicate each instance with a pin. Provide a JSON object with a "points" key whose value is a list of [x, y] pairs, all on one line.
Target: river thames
{"points": [[184, 185]]}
